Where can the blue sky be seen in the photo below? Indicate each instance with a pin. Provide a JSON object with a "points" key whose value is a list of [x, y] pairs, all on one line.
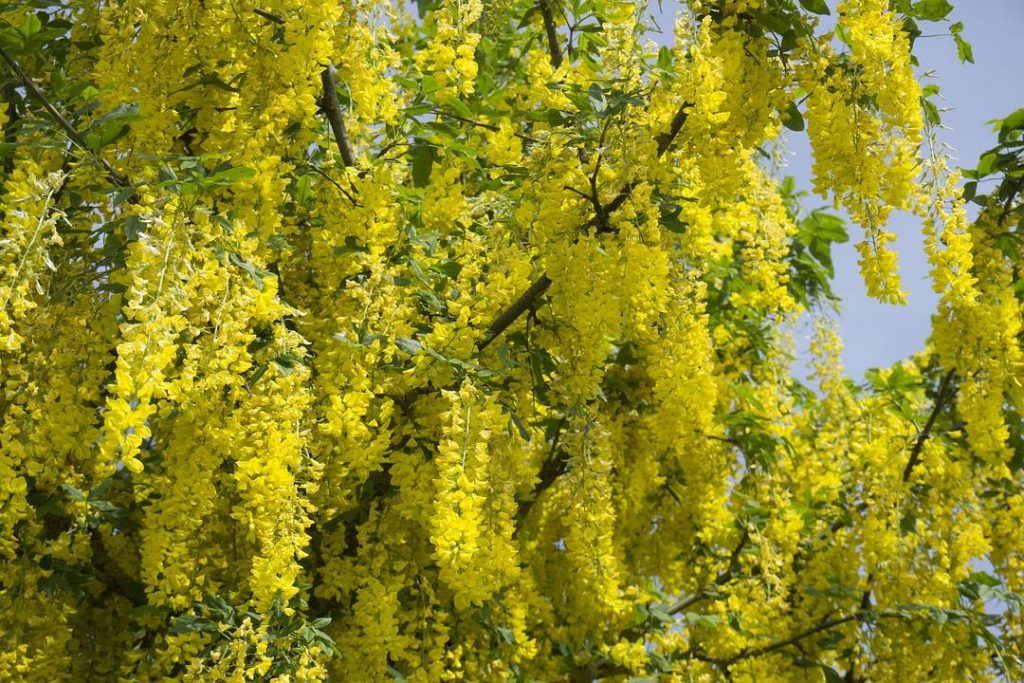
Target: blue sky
{"points": [[878, 334]]}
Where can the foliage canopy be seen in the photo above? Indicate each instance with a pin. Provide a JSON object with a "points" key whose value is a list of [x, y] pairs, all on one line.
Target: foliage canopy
{"points": [[357, 341]]}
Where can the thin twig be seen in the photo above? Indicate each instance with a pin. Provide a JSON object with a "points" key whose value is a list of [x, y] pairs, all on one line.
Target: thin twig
{"points": [[792, 640], [603, 670], [915, 456], [269, 16], [487, 126], [688, 601], [334, 182]]}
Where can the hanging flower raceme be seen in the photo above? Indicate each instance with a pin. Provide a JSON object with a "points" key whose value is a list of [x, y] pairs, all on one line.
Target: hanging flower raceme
{"points": [[865, 124], [372, 341]]}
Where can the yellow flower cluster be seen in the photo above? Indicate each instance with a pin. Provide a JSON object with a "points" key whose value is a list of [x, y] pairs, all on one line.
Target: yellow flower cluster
{"points": [[474, 509], [29, 226], [450, 57], [865, 125], [493, 381]]}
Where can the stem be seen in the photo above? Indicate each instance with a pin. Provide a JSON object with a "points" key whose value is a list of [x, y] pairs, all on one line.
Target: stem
{"points": [[28, 249], [486, 126]]}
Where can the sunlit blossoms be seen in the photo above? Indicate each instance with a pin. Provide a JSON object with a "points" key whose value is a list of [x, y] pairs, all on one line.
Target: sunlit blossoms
{"points": [[366, 341]]}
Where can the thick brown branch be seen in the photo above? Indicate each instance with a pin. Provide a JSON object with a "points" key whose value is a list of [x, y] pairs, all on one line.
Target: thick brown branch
{"points": [[552, 32], [333, 110], [112, 175], [510, 314]]}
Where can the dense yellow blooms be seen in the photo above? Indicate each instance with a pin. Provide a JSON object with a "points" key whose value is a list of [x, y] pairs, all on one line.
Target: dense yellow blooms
{"points": [[866, 155], [479, 367]]}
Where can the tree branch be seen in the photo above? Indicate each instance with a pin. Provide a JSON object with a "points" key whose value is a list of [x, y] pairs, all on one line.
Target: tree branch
{"points": [[530, 296], [552, 32], [941, 398], [113, 176], [510, 314], [591, 672], [333, 110], [557, 459], [704, 593], [487, 126], [792, 640], [915, 455]]}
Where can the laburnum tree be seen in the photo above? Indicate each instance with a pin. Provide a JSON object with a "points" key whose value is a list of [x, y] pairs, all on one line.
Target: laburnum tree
{"points": [[362, 341]]}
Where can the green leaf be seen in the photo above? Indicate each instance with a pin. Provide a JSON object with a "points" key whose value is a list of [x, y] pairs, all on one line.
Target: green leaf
{"points": [[665, 59], [595, 94], [1007, 243], [410, 346], [111, 126], [987, 163], [970, 190], [661, 615], [524, 433], [257, 274], [213, 79], [231, 175], [72, 493], [304, 193], [1011, 122], [105, 506], [963, 50], [448, 268], [133, 227], [792, 118], [931, 112], [534, 8], [112, 287], [423, 156], [816, 6], [930, 10], [831, 675], [704, 620], [30, 26], [188, 623], [460, 108], [671, 222]]}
